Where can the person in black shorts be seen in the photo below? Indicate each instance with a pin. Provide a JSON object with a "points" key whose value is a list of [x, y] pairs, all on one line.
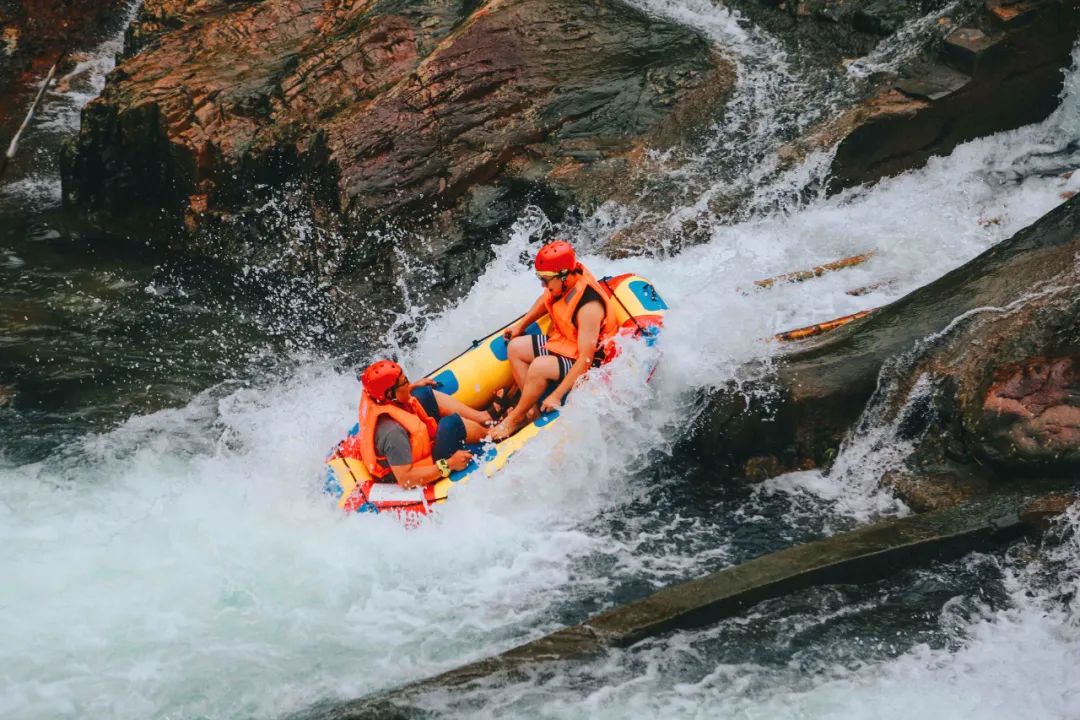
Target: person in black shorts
{"points": [[582, 318], [539, 342]]}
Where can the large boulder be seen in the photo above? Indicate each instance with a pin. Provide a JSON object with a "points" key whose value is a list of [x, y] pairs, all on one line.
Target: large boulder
{"points": [[376, 111], [978, 369], [1002, 67], [990, 75]]}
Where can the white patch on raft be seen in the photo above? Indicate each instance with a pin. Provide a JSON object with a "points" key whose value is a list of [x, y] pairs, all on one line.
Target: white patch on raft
{"points": [[391, 492]]}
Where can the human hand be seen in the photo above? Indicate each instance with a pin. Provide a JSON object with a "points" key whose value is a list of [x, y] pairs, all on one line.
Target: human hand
{"points": [[422, 382], [459, 460], [551, 403], [511, 332]]}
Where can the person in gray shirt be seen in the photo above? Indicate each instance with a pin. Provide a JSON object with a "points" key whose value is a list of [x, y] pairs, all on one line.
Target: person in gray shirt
{"points": [[458, 424]]}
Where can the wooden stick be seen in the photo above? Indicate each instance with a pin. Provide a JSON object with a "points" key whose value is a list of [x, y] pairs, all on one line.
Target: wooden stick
{"points": [[802, 275], [823, 327], [14, 146], [867, 289]]}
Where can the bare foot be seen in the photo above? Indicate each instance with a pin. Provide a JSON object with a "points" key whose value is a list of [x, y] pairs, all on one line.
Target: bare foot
{"points": [[499, 433], [504, 430]]}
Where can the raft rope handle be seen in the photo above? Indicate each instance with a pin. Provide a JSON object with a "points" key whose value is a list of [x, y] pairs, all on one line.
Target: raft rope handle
{"points": [[640, 330], [345, 461], [475, 344]]}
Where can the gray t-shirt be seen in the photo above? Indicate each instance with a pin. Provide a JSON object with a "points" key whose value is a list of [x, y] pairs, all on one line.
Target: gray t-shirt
{"points": [[392, 442]]}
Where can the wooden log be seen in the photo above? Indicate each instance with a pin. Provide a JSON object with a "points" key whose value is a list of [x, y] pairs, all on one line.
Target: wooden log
{"points": [[801, 275]]}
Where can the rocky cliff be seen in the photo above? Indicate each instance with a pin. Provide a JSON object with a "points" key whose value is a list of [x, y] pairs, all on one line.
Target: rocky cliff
{"points": [[376, 111]]}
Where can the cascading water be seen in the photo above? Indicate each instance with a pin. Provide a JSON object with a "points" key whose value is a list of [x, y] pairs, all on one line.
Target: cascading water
{"points": [[36, 174], [185, 563]]}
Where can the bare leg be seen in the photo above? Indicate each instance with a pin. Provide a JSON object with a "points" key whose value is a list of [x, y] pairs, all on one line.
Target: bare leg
{"points": [[474, 432], [520, 353], [448, 405], [541, 371]]}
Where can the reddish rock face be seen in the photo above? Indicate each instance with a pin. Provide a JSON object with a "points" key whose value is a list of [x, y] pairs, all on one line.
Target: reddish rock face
{"points": [[1032, 411], [377, 108]]}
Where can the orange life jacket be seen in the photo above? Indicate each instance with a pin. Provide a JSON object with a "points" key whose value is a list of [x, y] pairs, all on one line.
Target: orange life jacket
{"points": [[563, 333], [418, 424]]}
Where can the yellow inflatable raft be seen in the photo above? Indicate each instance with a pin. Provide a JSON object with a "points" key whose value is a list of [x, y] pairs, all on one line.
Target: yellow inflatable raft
{"points": [[474, 377]]}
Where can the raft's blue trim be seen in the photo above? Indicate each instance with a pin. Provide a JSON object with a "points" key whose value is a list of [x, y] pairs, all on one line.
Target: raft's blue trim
{"points": [[545, 418], [447, 382], [464, 472], [354, 430], [331, 486], [498, 345], [498, 348], [367, 508], [647, 296], [651, 333]]}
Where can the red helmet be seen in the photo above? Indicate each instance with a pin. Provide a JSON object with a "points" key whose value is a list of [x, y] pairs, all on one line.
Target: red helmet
{"points": [[556, 257], [379, 377]]}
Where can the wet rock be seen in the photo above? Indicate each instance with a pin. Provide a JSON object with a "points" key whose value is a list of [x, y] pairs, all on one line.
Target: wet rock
{"points": [[970, 49], [1013, 12], [931, 82], [1031, 414], [882, 17], [156, 17], [1042, 512], [817, 392], [836, 11], [762, 467], [1002, 77], [375, 113], [998, 78], [820, 33], [938, 491]]}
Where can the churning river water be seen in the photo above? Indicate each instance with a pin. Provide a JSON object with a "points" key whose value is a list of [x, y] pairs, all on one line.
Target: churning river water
{"points": [[168, 552]]}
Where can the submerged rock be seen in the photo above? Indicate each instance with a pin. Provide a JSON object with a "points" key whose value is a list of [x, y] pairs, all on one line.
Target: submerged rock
{"points": [[376, 111]]}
